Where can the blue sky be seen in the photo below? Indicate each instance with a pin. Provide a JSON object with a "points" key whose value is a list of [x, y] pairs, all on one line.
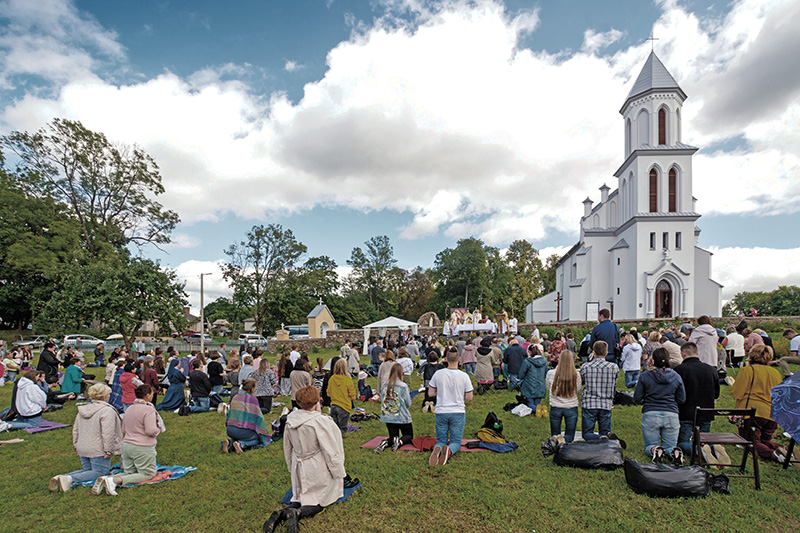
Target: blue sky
{"points": [[424, 121]]}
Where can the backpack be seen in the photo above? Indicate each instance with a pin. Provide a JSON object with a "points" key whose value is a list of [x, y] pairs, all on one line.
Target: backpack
{"points": [[494, 423], [490, 435]]}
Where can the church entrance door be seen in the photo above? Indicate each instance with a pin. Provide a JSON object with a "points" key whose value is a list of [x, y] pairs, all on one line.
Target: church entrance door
{"points": [[663, 299]]}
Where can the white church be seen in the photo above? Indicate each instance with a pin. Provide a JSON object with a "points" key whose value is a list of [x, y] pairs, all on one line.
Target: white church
{"points": [[638, 254]]}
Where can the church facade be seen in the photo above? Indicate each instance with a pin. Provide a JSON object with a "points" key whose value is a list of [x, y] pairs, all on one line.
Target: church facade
{"points": [[638, 254]]}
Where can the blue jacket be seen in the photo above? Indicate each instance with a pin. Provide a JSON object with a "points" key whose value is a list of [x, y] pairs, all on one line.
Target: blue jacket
{"points": [[606, 331], [513, 357], [533, 374], [394, 408], [660, 390]]}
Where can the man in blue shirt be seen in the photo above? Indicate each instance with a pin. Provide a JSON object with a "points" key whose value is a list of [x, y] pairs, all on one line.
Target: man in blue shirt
{"points": [[513, 356], [607, 332]]}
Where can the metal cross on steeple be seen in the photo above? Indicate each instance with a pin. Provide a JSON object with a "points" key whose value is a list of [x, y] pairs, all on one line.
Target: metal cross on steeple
{"points": [[652, 41]]}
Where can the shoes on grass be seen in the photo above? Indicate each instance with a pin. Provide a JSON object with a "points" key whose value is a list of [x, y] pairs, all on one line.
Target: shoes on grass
{"points": [[709, 457], [99, 486], [722, 456], [444, 456], [382, 446], [676, 457], [659, 454], [396, 443], [622, 443], [434, 459], [273, 521]]}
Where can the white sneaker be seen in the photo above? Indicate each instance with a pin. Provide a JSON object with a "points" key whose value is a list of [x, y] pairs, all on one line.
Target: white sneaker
{"points": [[99, 485], [65, 482], [54, 484], [4, 426], [110, 485]]}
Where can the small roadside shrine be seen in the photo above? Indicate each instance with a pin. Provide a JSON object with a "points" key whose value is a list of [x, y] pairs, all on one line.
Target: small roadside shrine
{"points": [[387, 323]]}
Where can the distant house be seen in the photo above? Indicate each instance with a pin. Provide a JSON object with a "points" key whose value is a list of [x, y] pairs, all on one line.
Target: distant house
{"points": [[320, 320], [249, 325], [221, 326], [192, 321]]}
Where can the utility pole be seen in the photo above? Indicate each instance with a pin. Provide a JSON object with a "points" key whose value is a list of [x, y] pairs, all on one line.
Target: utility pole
{"points": [[202, 317]]}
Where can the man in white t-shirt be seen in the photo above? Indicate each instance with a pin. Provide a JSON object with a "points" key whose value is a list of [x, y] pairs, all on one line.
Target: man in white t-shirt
{"points": [[452, 389], [294, 355]]}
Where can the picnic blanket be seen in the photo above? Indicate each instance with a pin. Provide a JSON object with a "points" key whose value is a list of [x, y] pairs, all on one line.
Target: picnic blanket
{"points": [[163, 473], [413, 393], [411, 448], [287, 498], [46, 425]]}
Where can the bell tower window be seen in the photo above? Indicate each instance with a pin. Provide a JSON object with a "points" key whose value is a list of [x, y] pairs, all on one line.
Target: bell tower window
{"points": [[653, 191], [673, 186], [662, 126]]}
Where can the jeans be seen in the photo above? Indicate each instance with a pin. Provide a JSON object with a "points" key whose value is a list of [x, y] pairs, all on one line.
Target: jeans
{"points": [[570, 416], [631, 377], [23, 423], [660, 426], [452, 423], [533, 402], [91, 469], [470, 368], [375, 367], [341, 417], [685, 434], [603, 419], [201, 405], [247, 438], [216, 388], [11, 375], [496, 372], [514, 382]]}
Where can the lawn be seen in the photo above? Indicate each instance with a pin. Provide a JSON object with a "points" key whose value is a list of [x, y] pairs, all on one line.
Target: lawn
{"points": [[519, 491]]}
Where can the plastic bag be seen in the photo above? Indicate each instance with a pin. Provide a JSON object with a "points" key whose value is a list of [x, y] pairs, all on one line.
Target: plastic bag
{"points": [[521, 410], [666, 481], [600, 454]]}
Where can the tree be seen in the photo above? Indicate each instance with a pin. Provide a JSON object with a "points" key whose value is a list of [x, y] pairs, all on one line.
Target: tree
{"points": [[528, 271], [549, 276], [120, 293], [109, 189], [416, 293], [373, 270], [222, 309], [260, 270], [783, 301]]}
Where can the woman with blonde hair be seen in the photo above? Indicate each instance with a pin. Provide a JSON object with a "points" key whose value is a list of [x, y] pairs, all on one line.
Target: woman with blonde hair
{"points": [[631, 361], [753, 389], [564, 382], [395, 403], [342, 393], [96, 436]]}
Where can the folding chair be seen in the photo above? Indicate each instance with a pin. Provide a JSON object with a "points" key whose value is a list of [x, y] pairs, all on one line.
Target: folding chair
{"points": [[789, 459], [748, 444], [485, 387]]}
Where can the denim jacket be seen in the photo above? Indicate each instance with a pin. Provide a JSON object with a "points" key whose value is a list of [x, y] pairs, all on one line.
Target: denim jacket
{"points": [[394, 409]]}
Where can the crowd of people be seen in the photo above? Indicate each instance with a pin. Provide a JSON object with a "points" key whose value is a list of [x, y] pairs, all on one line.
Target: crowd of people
{"points": [[671, 371]]}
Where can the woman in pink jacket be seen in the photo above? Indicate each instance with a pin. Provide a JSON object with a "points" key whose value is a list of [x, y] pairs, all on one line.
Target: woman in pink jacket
{"points": [[141, 425], [96, 436]]}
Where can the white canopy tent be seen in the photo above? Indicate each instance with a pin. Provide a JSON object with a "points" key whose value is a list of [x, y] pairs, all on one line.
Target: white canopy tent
{"points": [[383, 325]]}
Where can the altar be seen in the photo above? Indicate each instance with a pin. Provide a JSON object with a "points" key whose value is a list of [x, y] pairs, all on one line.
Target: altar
{"points": [[487, 327]]}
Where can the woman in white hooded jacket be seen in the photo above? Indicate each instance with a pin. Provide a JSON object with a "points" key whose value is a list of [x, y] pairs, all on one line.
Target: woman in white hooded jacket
{"points": [[30, 401], [312, 445], [631, 361], [96, 436]]}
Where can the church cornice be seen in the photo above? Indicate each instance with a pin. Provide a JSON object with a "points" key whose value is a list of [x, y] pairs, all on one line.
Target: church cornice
{"points": [[649, 150], [653, 94], [641, 217]]}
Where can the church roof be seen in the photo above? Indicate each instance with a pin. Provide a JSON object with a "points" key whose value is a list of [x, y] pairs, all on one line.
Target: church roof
{"points": [[622, 243], [654, 76], [316, 311]]}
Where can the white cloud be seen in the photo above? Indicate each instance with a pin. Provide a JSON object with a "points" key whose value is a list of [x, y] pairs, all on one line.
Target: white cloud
{"points": [[754, 269], [292, 66], [214, 286], [445, 117], [182, 240]]}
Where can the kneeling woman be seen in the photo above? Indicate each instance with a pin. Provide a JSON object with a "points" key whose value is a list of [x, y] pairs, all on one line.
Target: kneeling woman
{"points": [[141, 425], [245, 424], [395, 402], [312, 444], [96, 435]]}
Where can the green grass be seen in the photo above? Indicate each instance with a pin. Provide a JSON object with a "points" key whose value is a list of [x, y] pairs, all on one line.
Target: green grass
{"points": [[519, 491]]}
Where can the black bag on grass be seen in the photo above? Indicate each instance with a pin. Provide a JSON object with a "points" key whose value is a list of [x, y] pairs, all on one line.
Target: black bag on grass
{"points": [[493, 422], [666, 481], [624, 397], [601, 454]]}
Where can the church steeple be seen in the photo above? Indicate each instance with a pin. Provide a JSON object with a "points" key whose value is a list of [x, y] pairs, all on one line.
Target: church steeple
{"points": [[653, 77]]}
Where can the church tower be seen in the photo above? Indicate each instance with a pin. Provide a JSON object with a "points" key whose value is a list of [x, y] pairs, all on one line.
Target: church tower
{"points": [[638, 254]]}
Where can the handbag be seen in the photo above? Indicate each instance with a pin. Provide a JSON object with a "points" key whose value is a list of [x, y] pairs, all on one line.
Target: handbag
{"points": [[738, 420]]}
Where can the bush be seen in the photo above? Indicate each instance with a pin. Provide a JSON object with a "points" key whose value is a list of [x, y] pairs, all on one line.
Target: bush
{"points": [[315, 349]]}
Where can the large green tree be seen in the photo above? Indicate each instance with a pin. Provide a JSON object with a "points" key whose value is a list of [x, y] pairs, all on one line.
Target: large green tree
{"points": [[261, 269], [108, 188], [783, 301], [374, 272], [415, 295], [121, 293]]}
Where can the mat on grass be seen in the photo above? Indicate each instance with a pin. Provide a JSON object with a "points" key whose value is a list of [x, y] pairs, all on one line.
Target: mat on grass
{"points": [[287, 498], [163, 473], [413, 393], [46, 425], [411, 448]]}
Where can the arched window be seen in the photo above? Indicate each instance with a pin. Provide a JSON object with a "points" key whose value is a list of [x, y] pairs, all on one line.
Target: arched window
{"points": [[596, 221], [628, 143], [673, 190], [612, 215], [653, 191], [662, 126], [643, 128]]}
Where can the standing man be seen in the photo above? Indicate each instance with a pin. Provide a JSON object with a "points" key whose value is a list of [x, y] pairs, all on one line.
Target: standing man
{"points": [[141, 349], [497, 357], [294, 355], [452, 388], [513, 358], [607, 332], [512, 325], [701, 382], [705, 337], [413, 350], [375, 355], [460, 345], [794, 353], [599, 378], [735, 346], [223, 354], [536, 332]]}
